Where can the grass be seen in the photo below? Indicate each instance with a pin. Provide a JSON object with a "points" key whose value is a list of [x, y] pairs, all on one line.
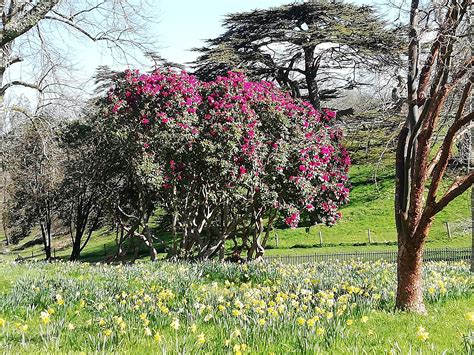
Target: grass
{"points": [[396, 332], [372, 207], [213, 308]]}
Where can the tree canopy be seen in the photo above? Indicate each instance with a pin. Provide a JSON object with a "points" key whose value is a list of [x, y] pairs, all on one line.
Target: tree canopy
{"points": [[313, 49]]}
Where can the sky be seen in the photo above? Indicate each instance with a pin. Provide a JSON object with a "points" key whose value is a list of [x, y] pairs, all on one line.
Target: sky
{"points": [[177, 25], [184, 24]]}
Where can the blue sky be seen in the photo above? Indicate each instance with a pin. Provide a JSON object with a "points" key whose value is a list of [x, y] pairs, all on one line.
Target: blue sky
{"points": [[183, 24]]}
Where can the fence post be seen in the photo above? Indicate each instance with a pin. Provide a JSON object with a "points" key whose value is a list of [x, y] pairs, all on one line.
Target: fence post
{"points": [[448, 229], [54, 252], [320, 239], [276, 239], [105, 250], [370, 237], [32, 255]]}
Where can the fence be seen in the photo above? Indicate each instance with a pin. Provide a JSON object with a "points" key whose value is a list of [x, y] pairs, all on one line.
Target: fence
{"points": [[446, 254]]}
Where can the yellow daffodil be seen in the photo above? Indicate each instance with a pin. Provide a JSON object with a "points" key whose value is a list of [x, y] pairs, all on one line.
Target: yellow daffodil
{"points": [[201, 339], [175, 324], [422, 334], [45, 317], [235, 312], [157, 337], [470, 317], [22, 327], [59, 299], [301, 321]]}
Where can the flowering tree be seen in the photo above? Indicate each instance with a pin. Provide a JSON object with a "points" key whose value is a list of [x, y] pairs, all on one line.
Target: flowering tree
{"points": [[231, 156]]}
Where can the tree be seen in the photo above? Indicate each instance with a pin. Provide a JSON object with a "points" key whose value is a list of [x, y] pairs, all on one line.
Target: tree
{"points": [[224, 157], [312, 49], [91, 175], [39, 33], [29, 32], [421, 161], [34, 168]]}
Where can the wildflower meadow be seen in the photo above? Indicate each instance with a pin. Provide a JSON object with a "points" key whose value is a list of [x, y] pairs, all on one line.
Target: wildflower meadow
{"points": [[225, 308]]}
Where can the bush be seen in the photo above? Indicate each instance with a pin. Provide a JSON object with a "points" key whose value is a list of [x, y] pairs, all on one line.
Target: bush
{"points": [[228, 157]]}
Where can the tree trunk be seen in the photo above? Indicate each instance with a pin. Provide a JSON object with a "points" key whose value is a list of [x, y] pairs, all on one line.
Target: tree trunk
{"points": [[311, 70], [409, 276], [472, 229], [76, 250], [46, 234], [471, 145]]}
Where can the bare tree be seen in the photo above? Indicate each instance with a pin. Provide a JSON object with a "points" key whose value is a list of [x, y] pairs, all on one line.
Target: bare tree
{"points": [[41, 32], [433, 77], [34, 166]]}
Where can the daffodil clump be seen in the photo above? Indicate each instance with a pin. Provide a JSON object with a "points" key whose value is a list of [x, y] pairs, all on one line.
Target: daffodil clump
{"points": [[207, 307]]}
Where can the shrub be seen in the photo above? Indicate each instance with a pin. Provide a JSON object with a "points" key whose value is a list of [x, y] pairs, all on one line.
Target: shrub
{"points": [[230, 157]]}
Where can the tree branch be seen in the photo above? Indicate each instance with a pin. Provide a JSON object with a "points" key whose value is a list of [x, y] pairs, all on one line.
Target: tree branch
{"points": [[16, 27], [456, 189], [19, 83]]}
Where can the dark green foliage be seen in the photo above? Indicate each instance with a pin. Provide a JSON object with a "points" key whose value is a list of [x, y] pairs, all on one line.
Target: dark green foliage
{"points": [[313, 49]]}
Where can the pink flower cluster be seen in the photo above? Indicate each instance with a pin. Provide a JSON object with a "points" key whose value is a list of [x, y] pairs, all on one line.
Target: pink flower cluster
{"points": [[235, 135]]}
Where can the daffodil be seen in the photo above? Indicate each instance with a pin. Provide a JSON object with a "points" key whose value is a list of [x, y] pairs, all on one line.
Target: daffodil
{"points": [[157, 337], [22, 327], [45, 317], [235, 312], [422, 334], [201, 339], [175, 324], [364, 319], [59, 299], [470, 317]]}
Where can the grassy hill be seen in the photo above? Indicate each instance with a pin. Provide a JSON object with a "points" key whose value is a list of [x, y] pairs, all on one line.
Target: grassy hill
{"points": [[371, 207]]}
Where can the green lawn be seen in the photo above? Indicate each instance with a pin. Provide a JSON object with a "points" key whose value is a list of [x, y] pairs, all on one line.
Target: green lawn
{"points": [[372, 207]]}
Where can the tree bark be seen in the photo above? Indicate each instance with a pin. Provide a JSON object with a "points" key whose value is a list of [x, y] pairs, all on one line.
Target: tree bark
{"points": [[46, 234], [311, 71], [471, 145], [409, 277]]}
